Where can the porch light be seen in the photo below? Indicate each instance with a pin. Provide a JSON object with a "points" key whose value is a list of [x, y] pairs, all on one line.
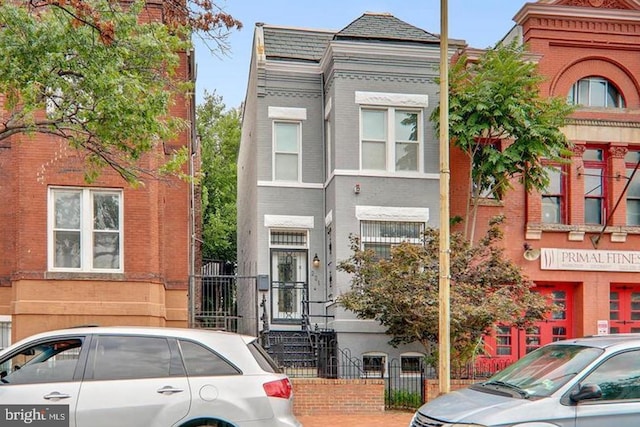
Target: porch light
{"points": [[316, 261]]}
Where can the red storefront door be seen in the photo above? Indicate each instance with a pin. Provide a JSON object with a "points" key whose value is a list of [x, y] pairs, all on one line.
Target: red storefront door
{"points": [[624, 309], [515, 343]]}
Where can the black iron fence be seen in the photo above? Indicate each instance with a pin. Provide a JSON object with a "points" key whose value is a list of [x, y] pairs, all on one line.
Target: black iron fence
{"points": [[405, 383], [216, 302]]}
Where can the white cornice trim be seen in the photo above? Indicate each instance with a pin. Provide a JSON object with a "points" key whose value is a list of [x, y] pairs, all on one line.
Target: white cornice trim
{"points": [[390, 213], [288, 221], [395, 99], [292, 67], [258, 40], [551, 11], [327, 107], [281, 184], [328, 219], [422, 52], [287, 113], [383, 174]]}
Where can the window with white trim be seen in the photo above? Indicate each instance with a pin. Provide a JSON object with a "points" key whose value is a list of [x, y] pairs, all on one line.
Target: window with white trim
{"points": [[553, 196], [374, 365], [390, 139], [85, 229], [380, 236], [595, 92], [286, 150], [632, 159], [595, 195], [5, 332], [411, 363]]}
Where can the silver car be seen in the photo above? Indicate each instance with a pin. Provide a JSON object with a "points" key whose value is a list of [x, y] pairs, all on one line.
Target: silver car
{"points": [[586, 382], [135, 376]]}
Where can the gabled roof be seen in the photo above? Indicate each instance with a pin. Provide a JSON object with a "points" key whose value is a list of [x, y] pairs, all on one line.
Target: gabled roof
{"points": [[384, 27]]}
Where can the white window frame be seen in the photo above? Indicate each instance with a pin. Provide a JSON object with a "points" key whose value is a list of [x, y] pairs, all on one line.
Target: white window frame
{"points": [[329, 171], [390, 139], [298, 152], [574, 96], [5, 326], [86, 229], [391, 241]]}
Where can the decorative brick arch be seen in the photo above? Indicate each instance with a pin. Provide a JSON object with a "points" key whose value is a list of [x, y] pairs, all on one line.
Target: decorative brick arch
{"points": [[616, 73]]}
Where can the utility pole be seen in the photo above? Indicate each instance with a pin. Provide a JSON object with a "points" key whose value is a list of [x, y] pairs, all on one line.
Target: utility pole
{"points": [[444, 341]]}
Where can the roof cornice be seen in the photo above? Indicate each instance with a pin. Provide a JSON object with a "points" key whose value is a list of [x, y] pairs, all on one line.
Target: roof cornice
{"points": [[554, 11], [418, 51]]}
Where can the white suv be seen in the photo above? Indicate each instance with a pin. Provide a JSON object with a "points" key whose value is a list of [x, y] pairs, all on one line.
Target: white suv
{"points": [[135, 376]]}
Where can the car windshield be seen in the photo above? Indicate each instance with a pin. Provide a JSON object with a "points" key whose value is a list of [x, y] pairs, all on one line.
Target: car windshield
{"points": [[545, 370]]}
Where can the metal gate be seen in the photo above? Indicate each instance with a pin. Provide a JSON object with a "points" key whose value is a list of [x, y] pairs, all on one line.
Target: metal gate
{"points": [[214, 302], [405, 385]]}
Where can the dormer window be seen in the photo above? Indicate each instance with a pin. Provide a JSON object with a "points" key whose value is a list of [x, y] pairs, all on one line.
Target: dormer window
{"points": [[595, 92]]}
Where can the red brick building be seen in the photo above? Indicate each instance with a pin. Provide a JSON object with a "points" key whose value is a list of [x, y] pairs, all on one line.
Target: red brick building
{"points": [[583, 231], [105, 253]]}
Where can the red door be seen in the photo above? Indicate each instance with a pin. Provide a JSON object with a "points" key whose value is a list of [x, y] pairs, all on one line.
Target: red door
{"points": [[557, 325], [515, 343], [624, 309]]}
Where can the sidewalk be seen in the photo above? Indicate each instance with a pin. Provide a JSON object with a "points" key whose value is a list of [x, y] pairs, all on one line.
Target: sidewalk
{"points": [[377, 419]]}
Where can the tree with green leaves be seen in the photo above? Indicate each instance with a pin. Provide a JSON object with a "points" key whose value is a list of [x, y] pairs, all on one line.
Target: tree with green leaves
{"points": [[100, 74], [219, 132], [401, 292], [507, 130]]}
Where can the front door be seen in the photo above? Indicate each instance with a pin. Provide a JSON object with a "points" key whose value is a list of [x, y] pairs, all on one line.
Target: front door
{"points": [[557, 325], [624, 309], [512, 343], [289, 284]]}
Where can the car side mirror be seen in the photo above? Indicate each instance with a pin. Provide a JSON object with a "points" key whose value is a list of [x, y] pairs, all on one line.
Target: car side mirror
{"points": [[586, 391]]}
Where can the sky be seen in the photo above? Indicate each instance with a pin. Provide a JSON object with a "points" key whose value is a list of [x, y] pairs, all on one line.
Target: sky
{"points": [[481, 23]]}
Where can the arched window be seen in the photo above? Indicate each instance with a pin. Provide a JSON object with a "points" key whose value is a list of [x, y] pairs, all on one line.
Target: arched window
{"points": [[595, 92]]}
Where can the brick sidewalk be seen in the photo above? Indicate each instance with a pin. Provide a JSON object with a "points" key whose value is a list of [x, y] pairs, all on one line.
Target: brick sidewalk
{"points": [[380, 419]]}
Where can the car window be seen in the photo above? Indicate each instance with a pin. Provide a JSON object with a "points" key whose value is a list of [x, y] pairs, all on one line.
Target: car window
{"points": [[200, 361], [51, 361], [129, 357], [262, 357], [618, 377]]}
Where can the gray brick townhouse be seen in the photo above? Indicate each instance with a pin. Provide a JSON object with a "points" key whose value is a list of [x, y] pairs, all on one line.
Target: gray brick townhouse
{"points": [[336, 140]]}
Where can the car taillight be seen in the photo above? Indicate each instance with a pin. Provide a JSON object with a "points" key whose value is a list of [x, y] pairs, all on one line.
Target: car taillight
{"points": [[280, 388]]}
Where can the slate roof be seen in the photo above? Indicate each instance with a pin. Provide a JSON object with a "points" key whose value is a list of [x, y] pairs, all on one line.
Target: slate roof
{"points": [[302, 44], [384, 26], [295, 44]]}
